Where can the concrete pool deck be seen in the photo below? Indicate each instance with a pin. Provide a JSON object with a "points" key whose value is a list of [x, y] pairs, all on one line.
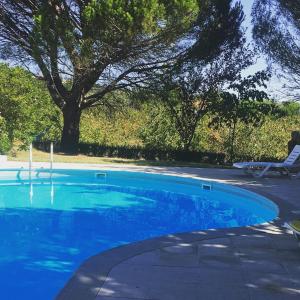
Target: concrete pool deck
{"points": [[257, 262]]}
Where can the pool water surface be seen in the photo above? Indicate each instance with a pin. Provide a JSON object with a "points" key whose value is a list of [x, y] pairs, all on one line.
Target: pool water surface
{"points": [[50, 224]]}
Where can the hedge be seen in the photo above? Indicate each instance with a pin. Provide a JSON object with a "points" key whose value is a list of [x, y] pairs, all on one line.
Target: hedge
{"points": [[130, 152]]}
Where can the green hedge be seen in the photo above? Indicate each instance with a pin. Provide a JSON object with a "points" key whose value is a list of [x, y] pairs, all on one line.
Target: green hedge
{"points": [[131, 152]]}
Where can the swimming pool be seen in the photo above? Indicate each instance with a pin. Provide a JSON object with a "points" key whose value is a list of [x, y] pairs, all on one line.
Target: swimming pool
{"points": [[51, 222]]}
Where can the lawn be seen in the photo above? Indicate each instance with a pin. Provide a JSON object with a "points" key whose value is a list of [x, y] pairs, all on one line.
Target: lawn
{"points": [[40, 156]]}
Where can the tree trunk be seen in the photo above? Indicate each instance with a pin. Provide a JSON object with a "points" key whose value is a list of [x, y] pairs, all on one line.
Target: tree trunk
{"points": [[70, 133], [187, 135]]}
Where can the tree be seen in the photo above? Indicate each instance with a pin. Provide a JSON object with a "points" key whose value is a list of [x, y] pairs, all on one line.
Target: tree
{"points": [[276, 31], [217, 30], [191, 89], [244, 102], [187, 100], [25, 106], [77, 43]]}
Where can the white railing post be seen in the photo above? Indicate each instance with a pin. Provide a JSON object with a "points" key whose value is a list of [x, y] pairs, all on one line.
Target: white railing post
{"points": [[30, 159], [51, 157]]}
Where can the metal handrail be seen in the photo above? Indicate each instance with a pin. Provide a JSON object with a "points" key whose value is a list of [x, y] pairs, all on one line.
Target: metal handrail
{"points": [[31, 160]]}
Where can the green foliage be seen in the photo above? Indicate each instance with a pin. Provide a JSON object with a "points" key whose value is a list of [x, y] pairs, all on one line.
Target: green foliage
{"points": [[190, 90], [152, 127], [118, 129], [267, 142], [289, 108], [135, 17], [194, 89], [245, 103], [118, 44], [26, 111], [158, 130], [5, 143], [218, 29], [148, 125], [25, 106]]}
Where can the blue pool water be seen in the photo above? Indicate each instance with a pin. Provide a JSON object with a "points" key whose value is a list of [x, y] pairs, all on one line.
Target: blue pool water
{"points": [[50, 225]]}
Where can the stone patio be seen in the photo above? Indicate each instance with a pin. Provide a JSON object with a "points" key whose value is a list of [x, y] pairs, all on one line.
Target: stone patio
{"points": [[240, 267], [258, 262]]}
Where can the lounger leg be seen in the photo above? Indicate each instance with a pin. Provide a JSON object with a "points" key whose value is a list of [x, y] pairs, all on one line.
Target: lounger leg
{"points": [[264, 171], [297, 236], [287, 172]]}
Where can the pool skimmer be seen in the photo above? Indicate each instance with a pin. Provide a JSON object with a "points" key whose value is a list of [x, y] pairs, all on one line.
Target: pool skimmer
{"points": [[206, 187], [100, 175]]}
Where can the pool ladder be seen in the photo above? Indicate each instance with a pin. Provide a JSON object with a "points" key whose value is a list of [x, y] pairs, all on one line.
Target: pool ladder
{"points": [[30, 159], [30, 169]]}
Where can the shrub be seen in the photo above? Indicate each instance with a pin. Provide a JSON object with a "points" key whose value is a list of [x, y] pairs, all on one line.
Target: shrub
{"points": [[5, 144]]}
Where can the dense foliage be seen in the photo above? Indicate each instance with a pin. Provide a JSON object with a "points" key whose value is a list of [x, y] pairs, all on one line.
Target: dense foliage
{"points": [[85, 50], [162, 79], [244, 102], [26, 112], [25, 108], [117, 43], [152, 127], [5, 143]]}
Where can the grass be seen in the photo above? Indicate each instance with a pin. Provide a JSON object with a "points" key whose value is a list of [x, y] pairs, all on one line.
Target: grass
{"points": [[40, 156]]}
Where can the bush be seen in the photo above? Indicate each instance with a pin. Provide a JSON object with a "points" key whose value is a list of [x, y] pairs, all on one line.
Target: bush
{"points": [[120, 128], [158, 130], [131, 152], [265, 143], [5, 144], [25, 105]]}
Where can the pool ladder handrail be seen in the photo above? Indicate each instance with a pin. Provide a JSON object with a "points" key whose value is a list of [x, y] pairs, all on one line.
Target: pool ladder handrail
{"points": [[37, 172], [19, 173], [31, 160]]}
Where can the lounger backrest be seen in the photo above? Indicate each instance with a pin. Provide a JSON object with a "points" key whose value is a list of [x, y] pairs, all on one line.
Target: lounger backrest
{"points": [[294, 155]]}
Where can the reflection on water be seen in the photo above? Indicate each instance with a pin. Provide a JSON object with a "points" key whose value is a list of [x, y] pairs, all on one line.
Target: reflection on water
{"points": [[47, 230]]}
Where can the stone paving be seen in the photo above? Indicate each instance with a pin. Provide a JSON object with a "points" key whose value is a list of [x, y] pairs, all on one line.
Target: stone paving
{"points": [[241, 267], [258, 262]]}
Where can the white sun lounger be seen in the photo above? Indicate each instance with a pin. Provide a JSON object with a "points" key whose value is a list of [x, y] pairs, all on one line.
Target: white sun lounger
{"points": [[264, 167]]}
